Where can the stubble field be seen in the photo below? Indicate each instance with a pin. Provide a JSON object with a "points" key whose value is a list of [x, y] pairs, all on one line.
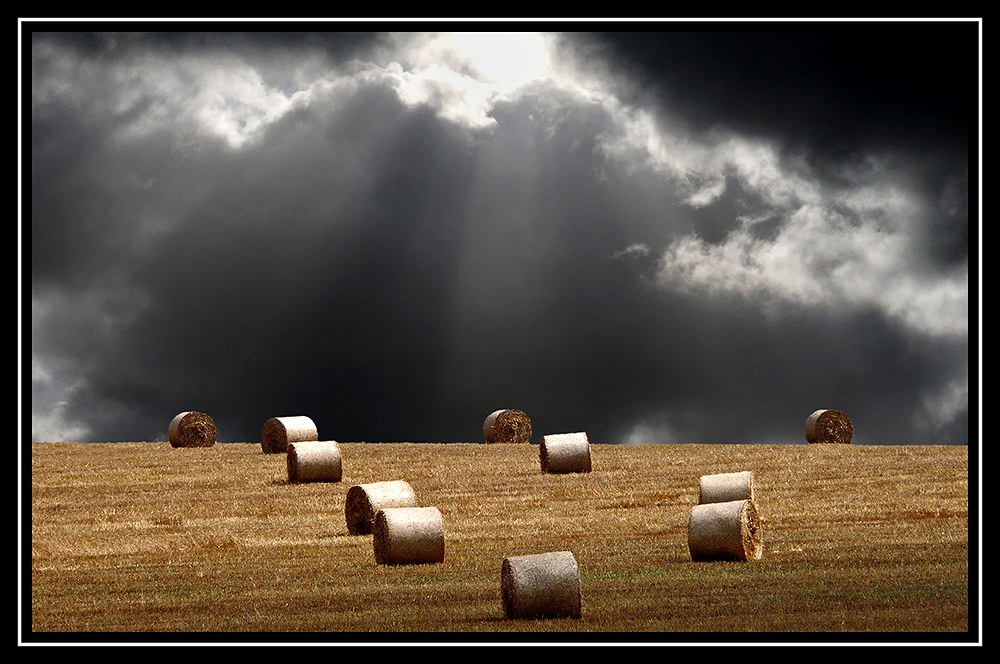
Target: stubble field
{"points": [[141, 539]]}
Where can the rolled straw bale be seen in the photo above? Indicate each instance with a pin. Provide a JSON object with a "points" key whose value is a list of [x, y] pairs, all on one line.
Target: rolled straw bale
{"points": [[565, 453], [314, 461], [408, 536], [191, 429], [829, 426], [363, 501], [507, 425], [279, 431], [725, 487], [543, 585], [725, 531]]}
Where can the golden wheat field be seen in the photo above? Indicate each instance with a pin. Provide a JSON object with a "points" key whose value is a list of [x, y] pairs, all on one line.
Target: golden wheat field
{"points": [[859, 542]]}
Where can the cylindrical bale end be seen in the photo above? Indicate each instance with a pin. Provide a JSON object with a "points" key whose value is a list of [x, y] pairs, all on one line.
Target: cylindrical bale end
{"points": [[543, 585], [507, 425], [829, 426], [408, 536], [278, 432], [314, 461], [565, 453], [191, 429], [725, 487], [725, 531], [363, 501]]}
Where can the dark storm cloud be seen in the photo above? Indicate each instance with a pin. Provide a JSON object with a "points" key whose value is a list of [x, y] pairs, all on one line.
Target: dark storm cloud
{"points": [[835, 87], [219, 226], [828, 93]]}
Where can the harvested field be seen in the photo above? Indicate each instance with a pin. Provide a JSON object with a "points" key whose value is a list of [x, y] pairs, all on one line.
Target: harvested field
{"points": [[146, 538]]}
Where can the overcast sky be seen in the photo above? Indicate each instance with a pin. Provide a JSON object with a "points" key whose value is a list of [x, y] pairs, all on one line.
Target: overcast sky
{"points": [[653, 237]]}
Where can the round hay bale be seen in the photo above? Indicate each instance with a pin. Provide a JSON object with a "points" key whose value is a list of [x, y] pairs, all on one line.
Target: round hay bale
{"points": [[725, 531], [314, 461], [507, 425], [725, 487], [363, 501], [543, 585], [408, 536], [829, 426], [191, 429], [279, 431], [565, 453]]}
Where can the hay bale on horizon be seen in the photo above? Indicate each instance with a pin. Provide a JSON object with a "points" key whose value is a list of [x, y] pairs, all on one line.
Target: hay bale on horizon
{"points": [[314, 461], [507, 425], [191, 429], [279, 431], [725, 531], [363, 501], [542, 585], [725, 487], [565, 453], [829, 426], [408, 536]]}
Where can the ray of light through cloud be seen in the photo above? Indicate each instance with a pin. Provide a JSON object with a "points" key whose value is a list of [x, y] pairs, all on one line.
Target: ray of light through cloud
{"points": [[407, 231]]}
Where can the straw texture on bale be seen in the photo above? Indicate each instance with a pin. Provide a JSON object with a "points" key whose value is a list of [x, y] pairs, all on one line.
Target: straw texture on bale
{"points": [[725, 531], [507, 425], [726, 487], [408, 536], [279, 431], [565, 453], [314, 461], [363, 501], [191, 429], [829, 426], [543, 585]]}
